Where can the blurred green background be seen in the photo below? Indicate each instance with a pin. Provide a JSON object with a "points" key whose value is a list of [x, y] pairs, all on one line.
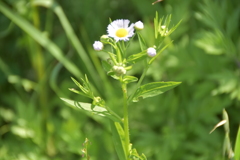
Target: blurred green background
{"points": [[205, 56]]}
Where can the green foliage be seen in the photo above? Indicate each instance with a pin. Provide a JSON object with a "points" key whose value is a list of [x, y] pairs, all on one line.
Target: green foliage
{"points": [[237, 146], [118, 136], [92, 109], [153, 89], [117, 70], [33, 77]]}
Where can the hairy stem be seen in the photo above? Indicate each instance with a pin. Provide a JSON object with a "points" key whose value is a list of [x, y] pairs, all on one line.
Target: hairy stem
{"points": [[139, 82], [125, 123]]}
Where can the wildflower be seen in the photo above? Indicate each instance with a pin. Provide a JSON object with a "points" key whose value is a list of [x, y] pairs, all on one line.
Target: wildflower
{"points": [[139, 25], [119, 30], [151, 52], [98, 46]]}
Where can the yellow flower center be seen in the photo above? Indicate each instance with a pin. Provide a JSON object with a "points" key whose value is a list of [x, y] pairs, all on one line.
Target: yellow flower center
{"points": [[122, 32]]}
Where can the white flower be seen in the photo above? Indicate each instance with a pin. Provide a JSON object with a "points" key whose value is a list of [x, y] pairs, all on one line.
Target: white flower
{"points": [[151, 52], [119, 30], [98, 46], [139, 25]]}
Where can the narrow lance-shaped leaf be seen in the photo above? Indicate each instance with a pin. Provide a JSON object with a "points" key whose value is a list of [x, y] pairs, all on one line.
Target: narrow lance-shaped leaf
{"points": [[141, 42], [118, 140], [57, 9], [137, 57], [88, 107], [218, 125], [156, 25], [153, 89], [135, 155], [106, 66], [40, 38], [129, 79], [237, 146]]}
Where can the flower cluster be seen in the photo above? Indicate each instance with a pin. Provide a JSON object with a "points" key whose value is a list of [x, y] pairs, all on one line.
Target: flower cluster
{"points": [[119, 30], [119, 33]]}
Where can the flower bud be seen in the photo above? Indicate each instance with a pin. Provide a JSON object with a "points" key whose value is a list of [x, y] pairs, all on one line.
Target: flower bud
{"points": [[104, 39], [98, 46], [151, 52], [138, 25], [119, 70]]}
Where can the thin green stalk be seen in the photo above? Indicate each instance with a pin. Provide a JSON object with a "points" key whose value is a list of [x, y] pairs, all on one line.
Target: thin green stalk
{"points": [[119, 56], [139, 82], [39, 66], [119, 48], [126, 123], [113, 113], [123, 49], [112, 58]]}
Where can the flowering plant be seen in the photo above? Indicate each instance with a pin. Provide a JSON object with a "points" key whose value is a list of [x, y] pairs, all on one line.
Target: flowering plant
{"points": [[120, 35]]}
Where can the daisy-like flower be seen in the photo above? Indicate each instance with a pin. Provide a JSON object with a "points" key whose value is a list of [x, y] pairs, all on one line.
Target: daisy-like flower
{"points": [[139, 25], [119, 30], [151, 52], [98, 46]]}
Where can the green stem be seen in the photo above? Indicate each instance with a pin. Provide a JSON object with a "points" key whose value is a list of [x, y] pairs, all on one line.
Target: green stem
{"points": [[112, 58], [139, 82], [119, 56], [123, 49], [125, 123], [113, 113]]}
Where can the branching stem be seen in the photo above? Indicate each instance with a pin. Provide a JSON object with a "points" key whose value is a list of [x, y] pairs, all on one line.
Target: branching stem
{"points": [[125, 122]]}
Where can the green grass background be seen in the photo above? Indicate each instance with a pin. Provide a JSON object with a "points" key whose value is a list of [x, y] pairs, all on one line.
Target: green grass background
{"points": [[35, 71]]}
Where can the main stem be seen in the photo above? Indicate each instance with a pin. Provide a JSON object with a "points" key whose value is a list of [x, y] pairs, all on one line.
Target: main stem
{"points": [[139, 82], [125, 122]]}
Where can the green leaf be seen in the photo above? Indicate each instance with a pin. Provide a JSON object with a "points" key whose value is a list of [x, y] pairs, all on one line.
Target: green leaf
{"points": [[135, 156], [212, 42], [106, 66], [142, 42], [92, 109], [237, 146], [57, 9], [153, 89], [156, 25], [39, 37], [118, 140], [137, 57], [129, 79], [174, 27]]}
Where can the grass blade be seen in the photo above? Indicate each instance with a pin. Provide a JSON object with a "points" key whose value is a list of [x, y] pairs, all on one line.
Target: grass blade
{"points": [[40, 38], [70, 34], [118, 140], [237, 146]]}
